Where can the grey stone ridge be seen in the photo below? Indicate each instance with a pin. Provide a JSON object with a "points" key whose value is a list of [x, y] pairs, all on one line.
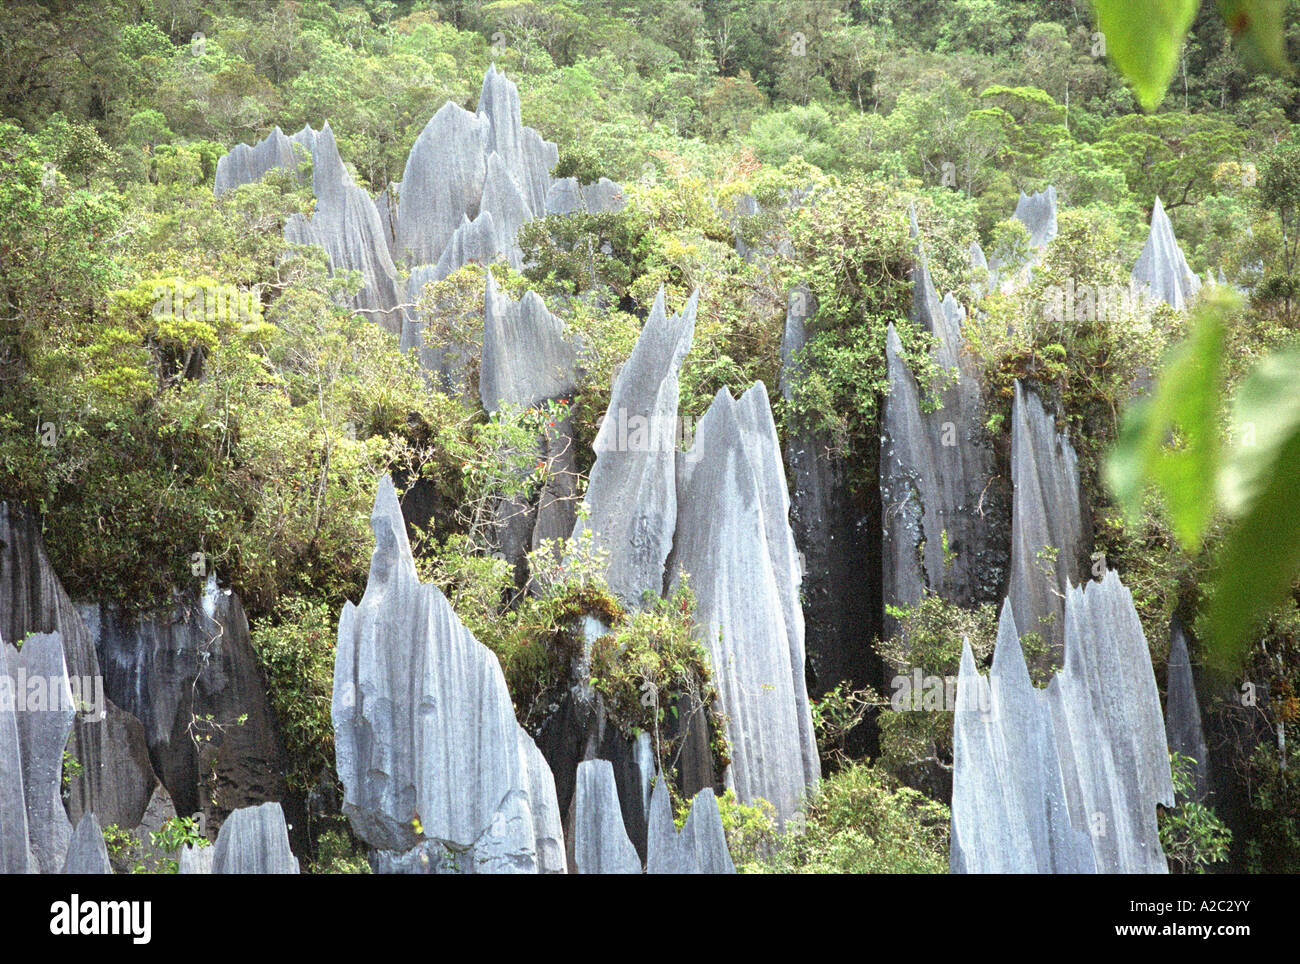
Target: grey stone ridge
{"points": [[254, 840], [117, 778], [528, 356], [1161, 266], [700, 847], [1047, 514], [523, 152], [427, 746], [15, 848], [1037, 212], [1110, 747], [632, 492], [347, 225], [195, 662], [734, 545], [601, 845], [244, 164], [1183, 713], [87, 853]]}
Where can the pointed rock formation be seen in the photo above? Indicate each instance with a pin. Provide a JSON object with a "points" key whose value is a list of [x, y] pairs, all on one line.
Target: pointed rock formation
{"points": [[1162, 267], [525, 154], [117, 778], [527, 356], [190, 676], [734, 542], [347, 225], [567, 196], [254, 840], [1009, 813], [427, 745], [1037, 212], [15, 850], [45, 712], [944, 507], [1051, 534], [1183, 713], [600, 844], [1109, 747], [87, 853], [194, 860], [700, 847], [441, 184], [244, 164], [833, 532], [632, 492]]}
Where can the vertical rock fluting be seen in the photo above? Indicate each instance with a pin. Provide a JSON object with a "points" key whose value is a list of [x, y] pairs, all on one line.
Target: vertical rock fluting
{"points": [[253, 840], [15, 848], [1009, 813], [733, 544], [1109, 742], [1161, 266], [529, 359], [1183, 713], [631, 497], [191, 676], [832, 531], [44, 717], [1050, 528], [700, 847], [600, 844], [944, 507], [347, 225], [433, 763], [117, 777]]}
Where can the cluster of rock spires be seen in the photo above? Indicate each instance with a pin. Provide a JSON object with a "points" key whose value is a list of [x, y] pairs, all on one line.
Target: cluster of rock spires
{"points": [[943, 505], [122, 696], [1064, 779], [471, 181]]}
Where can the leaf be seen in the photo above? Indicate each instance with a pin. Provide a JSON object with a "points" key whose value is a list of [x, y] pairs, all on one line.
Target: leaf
{"points": [[1265, 413], [1259, 561], [1187, 400], [1258, 32], [1143, 40]]}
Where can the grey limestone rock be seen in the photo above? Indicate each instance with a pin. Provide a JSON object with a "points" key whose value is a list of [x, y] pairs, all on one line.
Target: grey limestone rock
{"points": [[1103, 715], [45, 712], [1183, 713], [424, 727], [347, 225], [1009, 812], [601, 845], [1050, 527], [1037, 212], [733, 540], [567, 196], [442, 183], [700, 847], [15, 850], [1162, 267], [117, 777], [503, 199], [194, 860], [632, 492], [525, 155], [253, 840], [245, 164], [527, 355], [195, 663], [87, 853]]}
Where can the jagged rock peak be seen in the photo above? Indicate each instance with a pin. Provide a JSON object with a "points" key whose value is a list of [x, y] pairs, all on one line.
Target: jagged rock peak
{"points": [[427, 746], [1162, 267], [254, 840], [1048, 516], [601, 844], [1037, 212], [245, 164], [734, 543], [632, 493], [700, 847], [527, 356], [87, 853]]}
